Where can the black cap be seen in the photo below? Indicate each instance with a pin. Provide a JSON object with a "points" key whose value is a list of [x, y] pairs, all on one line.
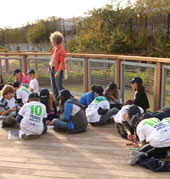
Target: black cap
{"points": [[99, 89], [134, 120], [111, 86], [44, 96], [64, 93], [16, 71], [33, 95], [134, 110], [136, 80], [16, 84], [31, 71]]}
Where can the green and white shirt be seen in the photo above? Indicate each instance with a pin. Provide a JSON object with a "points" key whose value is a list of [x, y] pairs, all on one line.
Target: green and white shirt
{"points": [[92, 110], [33, 114], [23, 93], [155, 132]]}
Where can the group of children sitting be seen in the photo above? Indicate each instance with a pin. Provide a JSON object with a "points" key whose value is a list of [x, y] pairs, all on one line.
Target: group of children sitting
{"points": [[32, 111]]}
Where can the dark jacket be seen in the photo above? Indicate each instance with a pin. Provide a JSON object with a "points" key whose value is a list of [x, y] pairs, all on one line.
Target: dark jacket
{"points": [[79, 119], [141, 100]]}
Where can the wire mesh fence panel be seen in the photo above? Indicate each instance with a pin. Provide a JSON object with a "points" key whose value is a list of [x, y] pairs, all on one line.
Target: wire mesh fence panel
{"points": [[165, 91], [146, 72], [75, 71], [8, 65], [101, 72], [40, 65], [167, 88]]}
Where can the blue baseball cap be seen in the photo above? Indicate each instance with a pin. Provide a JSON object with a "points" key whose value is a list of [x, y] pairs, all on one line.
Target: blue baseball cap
{"points": [[31, 71], [16, 71], [136, 80], [111, 86]]}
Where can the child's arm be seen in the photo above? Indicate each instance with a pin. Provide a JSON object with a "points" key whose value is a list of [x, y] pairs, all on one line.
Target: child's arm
{"points": [[126, 127], [19, 118], [4, 113], [31, 89]]}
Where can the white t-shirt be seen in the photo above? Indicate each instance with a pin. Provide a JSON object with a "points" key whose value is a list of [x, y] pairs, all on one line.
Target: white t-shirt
{"points": [[23, 93], [155, 132], [34, 85], [166, 121], [11, 104], [121, 115], [92, 110], [33, 114]]}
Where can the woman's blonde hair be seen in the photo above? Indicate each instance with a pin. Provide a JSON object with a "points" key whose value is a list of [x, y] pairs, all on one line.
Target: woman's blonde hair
{"points": [[7, 89], [50, 101], [57, 37]]}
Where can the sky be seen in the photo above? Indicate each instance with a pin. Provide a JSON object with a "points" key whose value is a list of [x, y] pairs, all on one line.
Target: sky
{"points": [[17, 13]]}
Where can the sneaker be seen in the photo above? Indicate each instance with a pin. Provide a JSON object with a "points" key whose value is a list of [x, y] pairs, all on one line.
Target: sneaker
{"points": [[28, 137], [135, 156], [168, 153]]}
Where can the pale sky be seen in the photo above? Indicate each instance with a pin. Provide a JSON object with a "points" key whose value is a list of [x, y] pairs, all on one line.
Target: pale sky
{"points": [[16, 13]]}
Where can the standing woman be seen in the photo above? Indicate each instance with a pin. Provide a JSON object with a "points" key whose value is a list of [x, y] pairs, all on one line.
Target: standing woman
{"points": [[57, 62]]}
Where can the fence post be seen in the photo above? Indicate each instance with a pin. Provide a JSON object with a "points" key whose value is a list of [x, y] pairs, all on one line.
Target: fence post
{"points": [[6, 63], [168, 25], [36, 64], [25, 63], [118, 72], [86, 85], [158, 86]]}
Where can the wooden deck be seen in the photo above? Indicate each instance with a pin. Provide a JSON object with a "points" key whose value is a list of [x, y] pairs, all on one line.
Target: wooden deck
{"points": [[99, 153]]}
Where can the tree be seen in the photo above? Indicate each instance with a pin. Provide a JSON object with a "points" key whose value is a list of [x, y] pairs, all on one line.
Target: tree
{"points": [[36, 33]]}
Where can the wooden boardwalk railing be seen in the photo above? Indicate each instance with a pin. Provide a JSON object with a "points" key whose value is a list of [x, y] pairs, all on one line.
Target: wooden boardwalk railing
{"points": [[118, 58]]}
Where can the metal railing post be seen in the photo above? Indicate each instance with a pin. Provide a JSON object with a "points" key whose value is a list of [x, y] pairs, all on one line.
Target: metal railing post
{"points": [[36, 64], [86, 86], [7, 63]]}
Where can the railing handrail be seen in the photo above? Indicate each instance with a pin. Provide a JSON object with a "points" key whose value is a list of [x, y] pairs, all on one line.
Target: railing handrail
{"points": [[108, 56], [158, 61]]}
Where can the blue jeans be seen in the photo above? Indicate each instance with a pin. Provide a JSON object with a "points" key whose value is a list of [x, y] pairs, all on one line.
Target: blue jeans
{"points": [[56, 83], [60, 124]]}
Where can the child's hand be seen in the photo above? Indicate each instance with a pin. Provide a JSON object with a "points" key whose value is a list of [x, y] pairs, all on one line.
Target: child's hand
{"points": [[129, 136], [134, 138], [12, 109]]}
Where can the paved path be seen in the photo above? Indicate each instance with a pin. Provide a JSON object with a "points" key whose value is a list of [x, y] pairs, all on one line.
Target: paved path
{"points": [[99, 153]]}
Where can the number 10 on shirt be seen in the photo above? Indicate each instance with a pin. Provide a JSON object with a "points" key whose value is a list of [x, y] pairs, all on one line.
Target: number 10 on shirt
{"points": [[37, 110]]}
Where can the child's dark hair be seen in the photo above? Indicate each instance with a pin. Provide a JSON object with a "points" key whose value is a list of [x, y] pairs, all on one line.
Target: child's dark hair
{"points": [[140, 87], [16, 84], [34, 97], [93, 87]]}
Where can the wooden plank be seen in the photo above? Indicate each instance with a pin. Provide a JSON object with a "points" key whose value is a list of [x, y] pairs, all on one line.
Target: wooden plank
{"points": [[98, 153]]}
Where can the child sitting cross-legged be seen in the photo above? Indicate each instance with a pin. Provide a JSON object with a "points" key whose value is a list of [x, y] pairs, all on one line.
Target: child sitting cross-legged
{"points": [[99, 112], [8, 106], [32, 118]]}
